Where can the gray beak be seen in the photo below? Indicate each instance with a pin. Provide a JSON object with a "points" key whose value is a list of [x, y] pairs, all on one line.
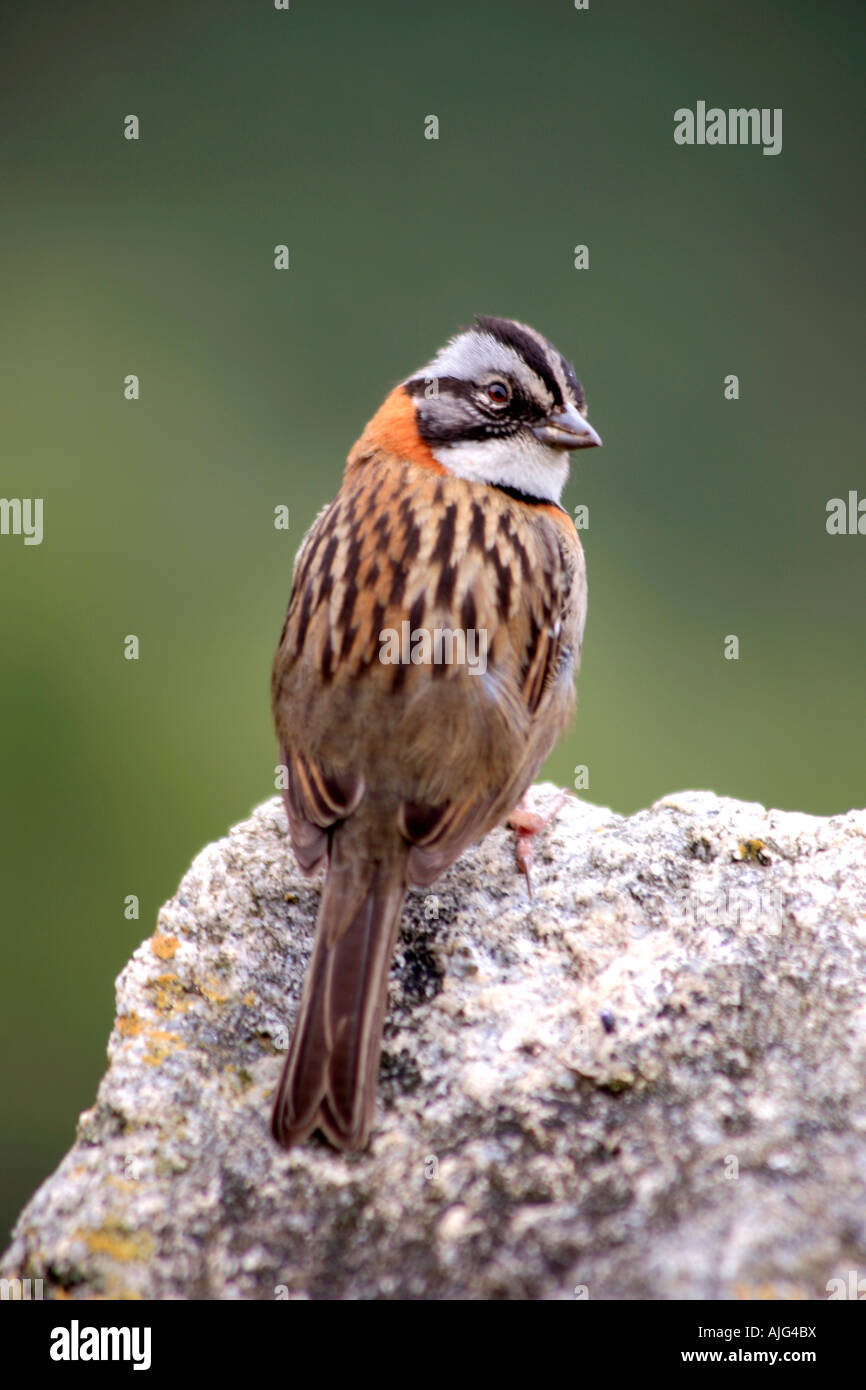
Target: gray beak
{"points": [[566, 429]]}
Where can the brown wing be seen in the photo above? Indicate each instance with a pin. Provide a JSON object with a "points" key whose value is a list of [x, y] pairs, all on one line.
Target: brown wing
{"points": [[315, 802]]}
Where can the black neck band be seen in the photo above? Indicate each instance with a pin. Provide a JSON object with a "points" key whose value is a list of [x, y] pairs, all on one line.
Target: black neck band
{"points": [[528, 498]]}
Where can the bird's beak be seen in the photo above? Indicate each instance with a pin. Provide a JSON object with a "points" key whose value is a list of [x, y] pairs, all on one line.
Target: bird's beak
{"points": [[566, 429]]}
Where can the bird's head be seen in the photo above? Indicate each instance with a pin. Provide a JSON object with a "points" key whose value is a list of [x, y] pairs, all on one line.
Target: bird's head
{"points": [[500, 404]]}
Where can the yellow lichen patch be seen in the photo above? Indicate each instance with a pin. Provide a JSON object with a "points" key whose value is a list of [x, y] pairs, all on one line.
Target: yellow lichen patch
{"points": [[129, 1025], [214, 990], [752, 852], [118, 1242], [767, 1292], [164, 946], [249, 999], [160, 1045], [170, 994], [125, 1185]]}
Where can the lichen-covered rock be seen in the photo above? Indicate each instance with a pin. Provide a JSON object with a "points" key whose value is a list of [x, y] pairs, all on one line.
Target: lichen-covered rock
{"points": [[647, 1082]]}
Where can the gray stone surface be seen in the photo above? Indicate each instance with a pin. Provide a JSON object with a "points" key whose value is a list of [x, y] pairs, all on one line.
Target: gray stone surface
{"points": [[646, 1083]]}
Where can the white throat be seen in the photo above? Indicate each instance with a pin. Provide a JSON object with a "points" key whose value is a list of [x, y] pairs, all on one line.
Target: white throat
{"points": [[528, 466]]}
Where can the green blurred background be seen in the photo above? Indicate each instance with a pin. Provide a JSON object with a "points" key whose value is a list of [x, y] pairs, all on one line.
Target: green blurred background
{"points": [[707, 517]]}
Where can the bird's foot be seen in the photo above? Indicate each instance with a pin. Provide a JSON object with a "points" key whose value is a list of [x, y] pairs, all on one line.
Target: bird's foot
{"points": [[528, 823]]}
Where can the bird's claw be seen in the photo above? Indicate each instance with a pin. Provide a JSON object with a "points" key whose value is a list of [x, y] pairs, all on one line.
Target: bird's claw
{"points": [[527, 823]]}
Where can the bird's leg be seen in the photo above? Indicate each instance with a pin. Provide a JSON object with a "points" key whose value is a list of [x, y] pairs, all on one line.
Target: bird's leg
{"points": [[528, 823]]}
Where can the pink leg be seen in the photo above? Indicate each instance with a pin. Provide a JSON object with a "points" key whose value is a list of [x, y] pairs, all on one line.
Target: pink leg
{"points": [[528, 823]]}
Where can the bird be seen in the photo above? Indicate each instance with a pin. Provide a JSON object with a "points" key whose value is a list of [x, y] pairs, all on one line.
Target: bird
{"points": [[448, 519]]}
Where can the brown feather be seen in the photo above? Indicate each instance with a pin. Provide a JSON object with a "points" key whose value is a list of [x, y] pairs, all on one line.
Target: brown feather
{"points": [[329, 1079]]}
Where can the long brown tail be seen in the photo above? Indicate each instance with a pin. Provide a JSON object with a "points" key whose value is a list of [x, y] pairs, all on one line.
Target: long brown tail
{"points": [[329, 1080]]}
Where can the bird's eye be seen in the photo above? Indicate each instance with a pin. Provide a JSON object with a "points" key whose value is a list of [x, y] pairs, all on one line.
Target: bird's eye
{"points": [[498, 392]]}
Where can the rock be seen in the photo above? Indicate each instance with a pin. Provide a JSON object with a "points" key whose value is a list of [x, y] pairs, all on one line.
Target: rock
{"points": [[648, 1082]]}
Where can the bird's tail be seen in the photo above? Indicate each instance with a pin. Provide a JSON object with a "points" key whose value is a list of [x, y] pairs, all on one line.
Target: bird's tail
{"points": [[329, 1079]]}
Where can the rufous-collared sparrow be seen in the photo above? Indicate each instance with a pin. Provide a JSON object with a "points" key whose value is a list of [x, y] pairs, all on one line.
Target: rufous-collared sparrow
{"points": [[425, 669]]}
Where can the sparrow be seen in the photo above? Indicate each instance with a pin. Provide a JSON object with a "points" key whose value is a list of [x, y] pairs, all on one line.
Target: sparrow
{"points": [[399, 749]]}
